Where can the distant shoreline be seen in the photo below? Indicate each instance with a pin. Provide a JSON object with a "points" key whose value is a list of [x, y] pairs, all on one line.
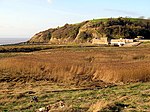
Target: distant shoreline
{"points": [[7, 41]]}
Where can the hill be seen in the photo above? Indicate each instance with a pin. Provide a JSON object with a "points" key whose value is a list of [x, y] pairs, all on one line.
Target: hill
{"points": [[96, 28]]}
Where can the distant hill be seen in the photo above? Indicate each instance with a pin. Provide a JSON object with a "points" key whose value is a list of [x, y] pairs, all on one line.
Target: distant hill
{"points": [[96, 28]]}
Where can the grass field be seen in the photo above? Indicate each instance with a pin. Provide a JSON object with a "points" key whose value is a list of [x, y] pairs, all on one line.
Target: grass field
{"points": [[84, 78], [128, 98]]}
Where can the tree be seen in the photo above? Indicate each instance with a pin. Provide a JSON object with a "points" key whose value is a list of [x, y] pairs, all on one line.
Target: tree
{"points": [[141, 17]]}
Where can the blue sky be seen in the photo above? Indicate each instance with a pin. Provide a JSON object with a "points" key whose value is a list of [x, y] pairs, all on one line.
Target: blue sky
{"points": [[24, 18]]}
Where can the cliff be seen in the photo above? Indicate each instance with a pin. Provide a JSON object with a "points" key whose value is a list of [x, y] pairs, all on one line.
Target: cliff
{"points": [[96, 28]]}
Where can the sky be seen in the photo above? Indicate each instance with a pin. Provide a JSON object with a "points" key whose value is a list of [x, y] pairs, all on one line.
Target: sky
{"points": [[24, 18]]}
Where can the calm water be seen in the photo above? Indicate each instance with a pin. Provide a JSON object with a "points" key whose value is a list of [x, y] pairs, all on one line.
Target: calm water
{"points": [[4, 41]]}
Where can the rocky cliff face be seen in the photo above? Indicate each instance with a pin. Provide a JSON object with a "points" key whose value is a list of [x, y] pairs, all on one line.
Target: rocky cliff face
{"points": [[86, 31], [42, 37]]}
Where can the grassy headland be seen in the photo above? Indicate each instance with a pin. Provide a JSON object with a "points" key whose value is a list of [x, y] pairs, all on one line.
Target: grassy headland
{"points": [[85, 31]]}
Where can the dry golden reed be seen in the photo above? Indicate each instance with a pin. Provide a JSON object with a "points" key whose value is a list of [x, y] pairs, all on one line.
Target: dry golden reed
{"points": [[79, 67]]}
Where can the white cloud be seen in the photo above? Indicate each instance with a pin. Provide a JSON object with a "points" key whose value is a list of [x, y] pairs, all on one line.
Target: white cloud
{"points": [[49, 1]]}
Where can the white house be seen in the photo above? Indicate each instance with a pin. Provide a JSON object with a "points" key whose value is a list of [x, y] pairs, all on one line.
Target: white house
{"points": [[121, 42]]}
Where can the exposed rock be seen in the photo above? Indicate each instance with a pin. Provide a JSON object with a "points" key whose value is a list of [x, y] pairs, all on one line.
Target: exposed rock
{"points": [[42, 37], [52, 107], [86, 31]]}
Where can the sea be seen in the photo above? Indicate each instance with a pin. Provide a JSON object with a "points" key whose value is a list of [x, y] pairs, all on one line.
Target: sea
{"points": [[6, 41]]}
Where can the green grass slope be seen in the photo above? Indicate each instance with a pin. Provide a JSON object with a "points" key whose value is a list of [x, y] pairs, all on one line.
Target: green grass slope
{"points": [[124, 98]]}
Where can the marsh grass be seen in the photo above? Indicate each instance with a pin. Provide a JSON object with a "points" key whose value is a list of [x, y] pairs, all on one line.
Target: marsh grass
{"points": [[89, 66], [33, 48], [63, 74]]}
